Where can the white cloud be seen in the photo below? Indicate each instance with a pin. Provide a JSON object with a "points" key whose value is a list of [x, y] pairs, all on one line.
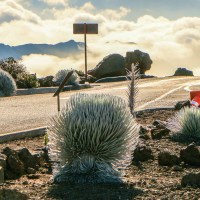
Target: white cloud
{"points": [[56, 2], [88, 7], [170, 43], [10, 10], [45, 65]]}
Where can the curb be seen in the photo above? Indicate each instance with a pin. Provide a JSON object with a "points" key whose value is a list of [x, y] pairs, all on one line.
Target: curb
{"points": [[45, 90], [153, 109], [41, 131], [22, 134]]}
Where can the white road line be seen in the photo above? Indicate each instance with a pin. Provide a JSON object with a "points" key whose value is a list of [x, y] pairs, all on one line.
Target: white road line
{"points": [[159, 98], [64, 98], [159, 82], [120, 88], [187, 88]]}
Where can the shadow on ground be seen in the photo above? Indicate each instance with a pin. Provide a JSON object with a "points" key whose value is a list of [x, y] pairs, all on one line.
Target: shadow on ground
{"points": [[93, 192]]}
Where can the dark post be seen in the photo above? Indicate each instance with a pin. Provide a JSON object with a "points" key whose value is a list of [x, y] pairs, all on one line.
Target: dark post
{"points": [[85, 39], [85, 29], [57, 93], [58, 100]]}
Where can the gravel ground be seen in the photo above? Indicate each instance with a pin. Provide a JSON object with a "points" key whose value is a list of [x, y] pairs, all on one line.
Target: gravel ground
{"points": [[145, 180]]}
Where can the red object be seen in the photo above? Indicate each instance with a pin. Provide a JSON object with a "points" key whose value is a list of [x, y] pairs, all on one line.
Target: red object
{"points": [[195, 98]]}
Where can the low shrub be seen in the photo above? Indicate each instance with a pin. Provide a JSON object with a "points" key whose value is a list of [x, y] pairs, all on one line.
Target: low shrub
{"points": [[7, 84], [13, 67], [46, 81], [91, 136], [28, 81], [61, 74], [186, 125], [18, 71]]}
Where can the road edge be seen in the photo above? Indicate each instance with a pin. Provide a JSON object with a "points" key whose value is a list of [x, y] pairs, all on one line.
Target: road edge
{"points": [[41, 130], [22, 134]]}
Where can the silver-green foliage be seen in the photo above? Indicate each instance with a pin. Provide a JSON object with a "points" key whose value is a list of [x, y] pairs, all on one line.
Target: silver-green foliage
{"points": [[186, 125], [7, 84], [133, 88], [90, 137], [61, 74]]}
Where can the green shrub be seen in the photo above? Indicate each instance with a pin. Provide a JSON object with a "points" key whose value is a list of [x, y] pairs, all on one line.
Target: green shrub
{"points": [[61, 74], [7, 84], [18, 71], [186, 125], [28, 81], [13, 67], [90, 137]]}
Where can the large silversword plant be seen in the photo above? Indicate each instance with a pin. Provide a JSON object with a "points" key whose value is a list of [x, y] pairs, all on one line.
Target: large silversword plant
{"points": [[91, 137], [7, 84], [185, 125]]}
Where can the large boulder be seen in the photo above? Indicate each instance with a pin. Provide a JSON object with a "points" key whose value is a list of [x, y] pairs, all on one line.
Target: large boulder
{"points": [[138, 57], [183, 72], [112, 65]]}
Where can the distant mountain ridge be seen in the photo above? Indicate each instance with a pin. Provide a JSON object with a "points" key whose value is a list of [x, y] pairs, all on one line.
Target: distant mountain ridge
{"points": [[61, 50]]}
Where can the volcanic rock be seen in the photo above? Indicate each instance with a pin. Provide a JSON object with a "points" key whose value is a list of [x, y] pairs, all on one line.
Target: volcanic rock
{"points": [[183, 72], [8, 194], [112, 65], [166, 158], [159, 133], [142, 153], [182, 104], [191, 179], [144, 133], [1, 175], [138, 57], [3, 161], [27, 158], [15, 164], [191, 155]]}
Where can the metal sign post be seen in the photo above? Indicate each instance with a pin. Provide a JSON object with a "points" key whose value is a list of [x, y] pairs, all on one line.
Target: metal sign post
{"points": [[85, 29], [85, 41]]}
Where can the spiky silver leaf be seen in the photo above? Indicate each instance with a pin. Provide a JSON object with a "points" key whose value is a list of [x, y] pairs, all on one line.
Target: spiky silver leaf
{"points": [[133, 88], [7, 84], [91, 135], [185, 125]]}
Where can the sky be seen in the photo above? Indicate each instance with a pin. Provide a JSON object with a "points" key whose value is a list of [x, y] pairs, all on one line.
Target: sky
{"points": [[168, 30]]}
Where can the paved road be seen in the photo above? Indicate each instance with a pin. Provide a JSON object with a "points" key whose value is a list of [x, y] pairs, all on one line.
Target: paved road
{"points": [[32, 111]]}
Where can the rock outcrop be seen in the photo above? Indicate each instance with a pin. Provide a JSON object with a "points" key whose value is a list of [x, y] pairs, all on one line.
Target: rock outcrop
{"points": [[138, 57], [112, 65], [183, 72]]}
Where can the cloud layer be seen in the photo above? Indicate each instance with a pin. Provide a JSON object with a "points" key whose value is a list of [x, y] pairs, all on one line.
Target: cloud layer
{"points": [[170, 43]]}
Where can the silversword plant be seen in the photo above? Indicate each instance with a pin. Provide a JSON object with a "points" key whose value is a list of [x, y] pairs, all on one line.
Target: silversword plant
{"points": [[7, 84], [185, 125], [90, 137]]}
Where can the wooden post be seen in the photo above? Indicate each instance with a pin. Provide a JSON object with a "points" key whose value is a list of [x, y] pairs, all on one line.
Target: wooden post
{"points": [[85, 40], [57, 93], [58, 100]]}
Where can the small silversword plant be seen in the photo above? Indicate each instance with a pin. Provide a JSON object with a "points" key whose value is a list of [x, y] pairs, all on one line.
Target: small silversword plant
{"points": [[90, 137], [185, 125], [7, 84]]}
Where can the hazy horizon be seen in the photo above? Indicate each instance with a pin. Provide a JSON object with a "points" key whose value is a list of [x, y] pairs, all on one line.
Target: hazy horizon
{"points": [[168, 31]]}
